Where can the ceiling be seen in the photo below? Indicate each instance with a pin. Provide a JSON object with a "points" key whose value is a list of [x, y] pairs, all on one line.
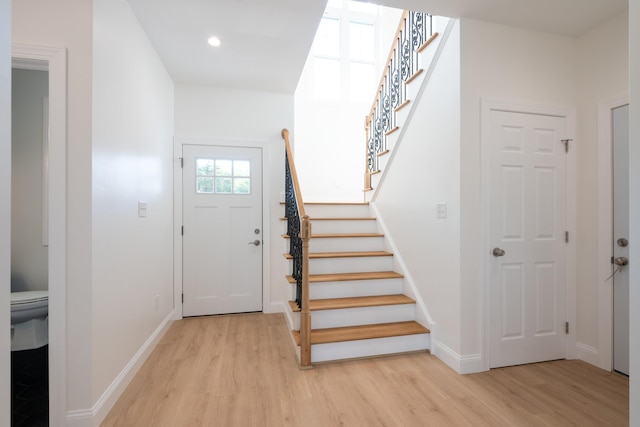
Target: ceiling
{"points": [[265, 42]]}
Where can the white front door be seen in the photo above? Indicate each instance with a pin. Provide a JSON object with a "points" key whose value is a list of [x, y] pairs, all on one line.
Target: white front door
{"points": [[528, 249], [222, 235], [620, 237]]}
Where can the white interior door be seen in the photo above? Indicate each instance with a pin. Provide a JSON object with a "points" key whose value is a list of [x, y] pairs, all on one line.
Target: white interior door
{"points": [[620, 237], [222, 235], [528, 223]]}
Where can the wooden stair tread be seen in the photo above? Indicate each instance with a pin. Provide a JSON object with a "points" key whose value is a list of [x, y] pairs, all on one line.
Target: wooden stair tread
{"points": [[333, 203], [336, 203], [340, 235], [345, 235], [346, 218], [354, 302], [363, 332], [345, 277], [362, 254]]}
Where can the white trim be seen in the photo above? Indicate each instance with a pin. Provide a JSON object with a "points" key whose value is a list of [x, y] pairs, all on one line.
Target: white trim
{"points": [[486, 106], [110, 396], [604, 354], [468, 364], [45, 171], [265, 145], [55, 61], [277, 307], [587, 353]]}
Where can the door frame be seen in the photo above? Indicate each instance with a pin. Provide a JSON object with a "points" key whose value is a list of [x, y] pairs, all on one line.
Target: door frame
{"points": [[178, 143], [603, 355], [54, 60], [487, 105]]}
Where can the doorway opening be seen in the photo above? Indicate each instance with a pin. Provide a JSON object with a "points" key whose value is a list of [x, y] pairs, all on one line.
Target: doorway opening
{"points": [[620, 241], [29, 246], [53, 62]]}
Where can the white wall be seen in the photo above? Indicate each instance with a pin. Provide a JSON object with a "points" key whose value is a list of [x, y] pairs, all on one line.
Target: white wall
{"points": [[29, 270], [132, 161], [217, 115], [634, 188], [603, 64], [425, 171], [68, 23], [505, 63], [5, 210]]}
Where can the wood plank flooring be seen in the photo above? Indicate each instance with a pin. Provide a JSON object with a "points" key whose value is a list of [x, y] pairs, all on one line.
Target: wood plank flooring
{"points": [[241, 371]]}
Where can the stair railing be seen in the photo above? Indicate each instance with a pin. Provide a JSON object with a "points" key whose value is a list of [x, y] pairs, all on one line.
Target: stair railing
{"points": [[415, 31], [299, 232]]}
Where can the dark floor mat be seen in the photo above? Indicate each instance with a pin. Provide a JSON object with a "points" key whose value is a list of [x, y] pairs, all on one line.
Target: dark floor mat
{"points": [[30, 388]]}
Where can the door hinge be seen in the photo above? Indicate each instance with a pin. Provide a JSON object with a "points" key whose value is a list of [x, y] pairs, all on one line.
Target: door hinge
{"points": [[181, 162], [183, 298], [613, 260], [566, 328], [566, 144], [566, 237], [182, 230]]}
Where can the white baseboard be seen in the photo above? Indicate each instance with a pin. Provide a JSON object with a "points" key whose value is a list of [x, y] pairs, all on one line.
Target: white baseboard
{"points": [[94, 416], [588, 354], [467, 364], [80, 418], [276, 307]]}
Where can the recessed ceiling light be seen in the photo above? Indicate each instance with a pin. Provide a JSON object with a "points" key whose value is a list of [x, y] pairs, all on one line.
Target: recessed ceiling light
{"points": [[214, 41]]}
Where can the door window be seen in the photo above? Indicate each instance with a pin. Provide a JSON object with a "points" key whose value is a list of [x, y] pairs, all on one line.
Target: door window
{"points": [[223, 176]]}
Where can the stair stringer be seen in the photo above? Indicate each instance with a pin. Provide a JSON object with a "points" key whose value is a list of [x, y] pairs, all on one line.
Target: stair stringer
{"points": [[431, 56], [409, 285]]}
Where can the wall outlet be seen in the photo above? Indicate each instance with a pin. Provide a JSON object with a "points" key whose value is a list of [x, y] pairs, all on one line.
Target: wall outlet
{"points": [[441, 210]]}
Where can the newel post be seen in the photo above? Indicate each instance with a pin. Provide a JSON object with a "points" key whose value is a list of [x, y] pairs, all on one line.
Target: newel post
{"points": [[305, 313]]}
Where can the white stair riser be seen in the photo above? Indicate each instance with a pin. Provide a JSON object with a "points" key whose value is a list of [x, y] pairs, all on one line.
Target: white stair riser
{"points": [[343, 226], [373, 347], [346, 244], [321, 319], [337, 211], [348, 265], [355, 288]]}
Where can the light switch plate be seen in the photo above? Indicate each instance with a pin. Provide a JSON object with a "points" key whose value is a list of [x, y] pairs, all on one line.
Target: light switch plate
{"points": [[142, 209], [441, 210]]}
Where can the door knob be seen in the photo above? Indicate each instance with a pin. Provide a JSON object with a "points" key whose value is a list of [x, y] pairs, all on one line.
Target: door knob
{"points": [[621, 261], [498, 252], [255, 242]]}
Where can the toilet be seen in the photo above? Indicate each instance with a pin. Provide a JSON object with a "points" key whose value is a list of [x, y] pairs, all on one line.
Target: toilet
{"points": [[29, 320]]}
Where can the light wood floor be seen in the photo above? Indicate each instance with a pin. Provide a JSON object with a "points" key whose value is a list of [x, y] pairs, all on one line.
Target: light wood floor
{"points": [[241, 371]]}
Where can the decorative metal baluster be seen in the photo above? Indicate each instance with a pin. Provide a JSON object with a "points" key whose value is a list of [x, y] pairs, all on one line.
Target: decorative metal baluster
{"points": [[293, 230], [412, 33]]}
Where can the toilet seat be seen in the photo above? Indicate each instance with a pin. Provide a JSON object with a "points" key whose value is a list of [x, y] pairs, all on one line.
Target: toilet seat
{"points": [[28, 297]]}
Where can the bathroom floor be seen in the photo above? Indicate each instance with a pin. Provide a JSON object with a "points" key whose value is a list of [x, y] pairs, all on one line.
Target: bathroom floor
{"points": [[30, 388]]}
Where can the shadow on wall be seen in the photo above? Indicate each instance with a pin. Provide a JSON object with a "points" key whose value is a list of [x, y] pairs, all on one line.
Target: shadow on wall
{"points": [[18, 284]]}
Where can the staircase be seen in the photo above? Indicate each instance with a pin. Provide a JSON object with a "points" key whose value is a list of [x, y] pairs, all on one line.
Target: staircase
{"points": [[358, 308]]}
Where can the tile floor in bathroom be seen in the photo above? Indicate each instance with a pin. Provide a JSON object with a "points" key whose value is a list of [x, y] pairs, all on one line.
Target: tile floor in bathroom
{"points": [[30, 388]]}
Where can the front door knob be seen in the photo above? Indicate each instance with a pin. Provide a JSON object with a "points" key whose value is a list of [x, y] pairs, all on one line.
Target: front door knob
{"points": [[255, 242], [498, 252]]}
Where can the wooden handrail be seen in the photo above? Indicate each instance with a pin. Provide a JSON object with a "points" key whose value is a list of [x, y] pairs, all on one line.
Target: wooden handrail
{"points": [[294, 173], [305, 235]]}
